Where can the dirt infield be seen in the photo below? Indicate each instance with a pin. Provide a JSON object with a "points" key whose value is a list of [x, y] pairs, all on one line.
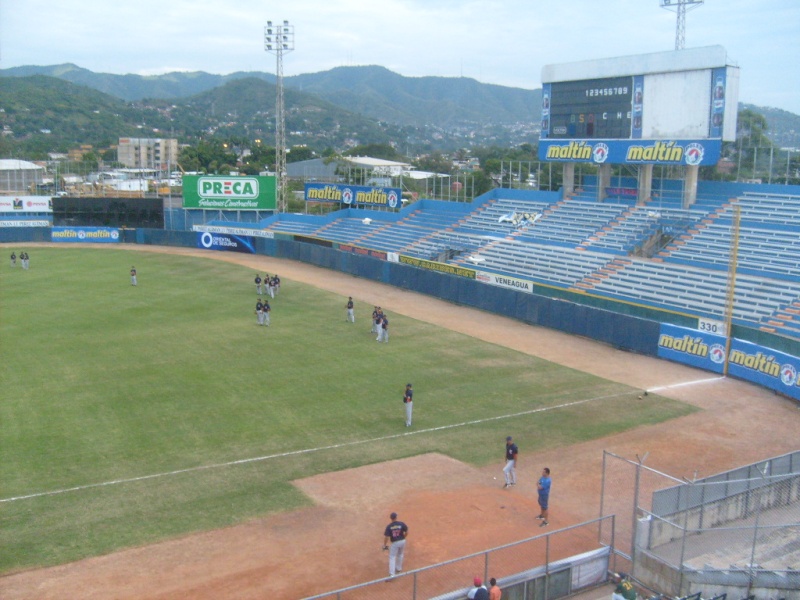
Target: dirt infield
{"points": [[452, 508]]}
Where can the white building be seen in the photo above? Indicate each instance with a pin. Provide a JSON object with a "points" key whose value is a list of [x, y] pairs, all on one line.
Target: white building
{"points": [[148, 153]]}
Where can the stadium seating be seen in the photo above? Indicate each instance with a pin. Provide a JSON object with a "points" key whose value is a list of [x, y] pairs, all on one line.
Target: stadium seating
{"points": [[583, 245]]}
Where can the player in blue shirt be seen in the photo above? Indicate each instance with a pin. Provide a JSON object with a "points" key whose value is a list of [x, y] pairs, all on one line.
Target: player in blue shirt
{"points": [[543, 486]]}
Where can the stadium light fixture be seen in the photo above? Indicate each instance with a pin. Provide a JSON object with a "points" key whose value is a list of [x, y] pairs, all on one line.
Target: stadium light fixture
{"points": [[680, 7], [278, 40]]}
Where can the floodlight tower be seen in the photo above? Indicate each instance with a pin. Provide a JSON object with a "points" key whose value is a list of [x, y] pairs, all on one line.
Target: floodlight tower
{"points": [[279, 40], [680, 6]]}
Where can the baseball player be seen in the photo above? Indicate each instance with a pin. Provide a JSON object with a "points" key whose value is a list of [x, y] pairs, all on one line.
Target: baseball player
{"points": [[259, 312], [258, 284], [375, 320], [272, 285], [408, 398], [266, 310], [26, 261], [13, 259], [351, 315], [133, 275], [510, 470], [394, 540], [383, 331]]}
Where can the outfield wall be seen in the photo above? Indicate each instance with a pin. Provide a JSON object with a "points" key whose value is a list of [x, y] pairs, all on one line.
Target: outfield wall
{"points": [[770, 361]]}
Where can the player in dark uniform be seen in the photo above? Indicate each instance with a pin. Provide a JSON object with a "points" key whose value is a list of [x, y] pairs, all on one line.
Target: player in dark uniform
{"points": [[13, 260], [259, 312], [267, 310], [274, 286], [375, 320], [510, 470], [258, 284], [351, 315], [383, 330], [408, 400], [394, 540]]}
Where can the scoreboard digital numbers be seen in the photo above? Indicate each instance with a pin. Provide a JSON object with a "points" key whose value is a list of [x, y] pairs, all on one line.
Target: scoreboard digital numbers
{"points": [[589, 109]]}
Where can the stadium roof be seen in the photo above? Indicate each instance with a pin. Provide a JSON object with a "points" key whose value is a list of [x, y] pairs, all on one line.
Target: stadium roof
{"points": [[12, 164]]}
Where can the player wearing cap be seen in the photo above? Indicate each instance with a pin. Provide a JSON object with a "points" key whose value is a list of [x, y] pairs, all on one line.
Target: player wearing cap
{"points": [[510, 470], [374, 319], [267, 309], [133, 275], [13, 260], [479, 592], [258, 284], [351, 315], [259, 312], [408, 398], [383, 329], [394, 540]]}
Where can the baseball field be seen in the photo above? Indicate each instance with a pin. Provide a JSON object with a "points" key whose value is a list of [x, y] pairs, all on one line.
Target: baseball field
{"points": [[132, 416]]}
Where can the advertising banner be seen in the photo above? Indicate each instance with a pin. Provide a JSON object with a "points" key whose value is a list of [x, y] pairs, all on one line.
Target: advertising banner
{"points": [[506, 282], [718, 81], [353, 195], [772, 369], [763, 366], [24, 223], [692, 347], [23, 204], [632, 152], [235, 231], [92, 235], [225, 242], [229, 193], [363, 251], [432, 265]]}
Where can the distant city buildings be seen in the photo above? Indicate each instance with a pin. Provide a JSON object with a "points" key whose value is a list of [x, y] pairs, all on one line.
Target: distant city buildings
{"points": [[148, 153]]}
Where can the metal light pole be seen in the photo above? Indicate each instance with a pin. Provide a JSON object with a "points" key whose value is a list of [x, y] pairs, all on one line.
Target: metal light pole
{"points": [[278, 40], [680, 7]]}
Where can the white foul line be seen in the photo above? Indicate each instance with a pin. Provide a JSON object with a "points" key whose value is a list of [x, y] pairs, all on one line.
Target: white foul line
{"points": [[303, 451], [677, 385]]}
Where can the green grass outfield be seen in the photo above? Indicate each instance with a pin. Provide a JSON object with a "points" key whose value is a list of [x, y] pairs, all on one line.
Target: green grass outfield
{"points": [[147, 386]]}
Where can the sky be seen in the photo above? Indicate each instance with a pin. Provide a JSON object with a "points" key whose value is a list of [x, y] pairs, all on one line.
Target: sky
{"points": [[503, 42]]}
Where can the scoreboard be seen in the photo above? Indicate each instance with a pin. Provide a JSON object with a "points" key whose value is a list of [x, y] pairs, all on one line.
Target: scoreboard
{"points": [[589, 109], [662, 108]]}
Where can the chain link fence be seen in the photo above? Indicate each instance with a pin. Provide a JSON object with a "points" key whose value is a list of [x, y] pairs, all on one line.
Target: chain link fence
{"points": [[732, 533], [544, 567]]}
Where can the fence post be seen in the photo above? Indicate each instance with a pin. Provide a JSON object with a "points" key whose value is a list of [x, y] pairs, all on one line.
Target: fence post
{"points": [[752, 570], [546, 566], [635, 524], [685, 509]]}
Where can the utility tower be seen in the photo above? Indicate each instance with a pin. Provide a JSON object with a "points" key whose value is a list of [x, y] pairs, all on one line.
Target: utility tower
{"points": [[680, 6], [279, 40]]}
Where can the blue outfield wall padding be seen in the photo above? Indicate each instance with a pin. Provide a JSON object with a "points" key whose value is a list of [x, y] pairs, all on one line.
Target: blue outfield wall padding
{"points": [[14, 235]]}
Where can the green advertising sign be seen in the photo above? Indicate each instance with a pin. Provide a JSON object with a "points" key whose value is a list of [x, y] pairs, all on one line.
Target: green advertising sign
{"points": [[240, 192]]}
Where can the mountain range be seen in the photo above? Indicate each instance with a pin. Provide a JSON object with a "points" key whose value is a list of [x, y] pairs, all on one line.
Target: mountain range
{"points": [[345, 105]]}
